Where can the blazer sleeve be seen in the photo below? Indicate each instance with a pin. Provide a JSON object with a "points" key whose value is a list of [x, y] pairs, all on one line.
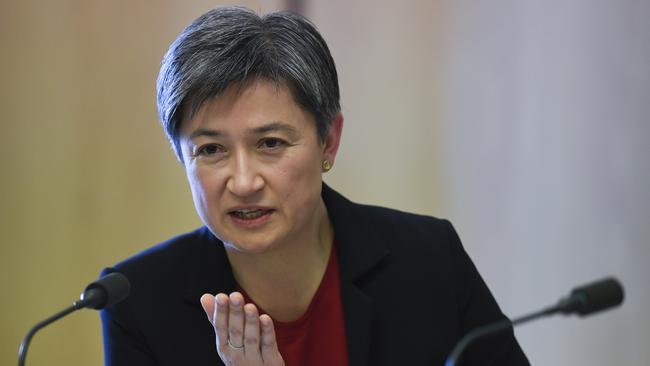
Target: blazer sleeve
{"points": [[477, 307], [123, 344]]}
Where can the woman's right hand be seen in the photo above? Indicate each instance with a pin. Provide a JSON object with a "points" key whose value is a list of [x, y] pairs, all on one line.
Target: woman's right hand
{"points": [[244, 338]]}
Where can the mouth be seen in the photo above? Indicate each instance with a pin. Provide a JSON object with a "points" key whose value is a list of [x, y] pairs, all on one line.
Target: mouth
{"points": [[249, 214]]}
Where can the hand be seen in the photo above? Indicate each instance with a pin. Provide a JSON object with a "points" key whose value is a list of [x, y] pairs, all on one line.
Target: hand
{"points": [[240, 342]]}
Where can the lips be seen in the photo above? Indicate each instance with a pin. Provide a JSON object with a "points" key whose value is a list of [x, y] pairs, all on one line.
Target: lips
{"points": [[249, 214]]}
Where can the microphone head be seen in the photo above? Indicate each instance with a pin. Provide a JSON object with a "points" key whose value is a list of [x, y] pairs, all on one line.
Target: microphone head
{"points": [[108, 290], [593, 297]]}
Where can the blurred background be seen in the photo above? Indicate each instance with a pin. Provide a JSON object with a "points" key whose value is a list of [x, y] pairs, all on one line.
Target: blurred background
{"points": [[525, 122]]}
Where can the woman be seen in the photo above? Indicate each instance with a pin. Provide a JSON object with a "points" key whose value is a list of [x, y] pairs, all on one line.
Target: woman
{"points": [[287, 271]]}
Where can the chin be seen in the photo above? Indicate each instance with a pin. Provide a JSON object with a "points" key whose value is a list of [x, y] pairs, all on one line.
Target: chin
{"points": [[249, 245]]}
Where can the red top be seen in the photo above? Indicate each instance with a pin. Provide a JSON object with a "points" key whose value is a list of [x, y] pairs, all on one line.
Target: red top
{"points": [[317, 338]]}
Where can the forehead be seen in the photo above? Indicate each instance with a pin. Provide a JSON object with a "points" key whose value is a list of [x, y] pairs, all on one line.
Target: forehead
{"points": [[248, 105]]}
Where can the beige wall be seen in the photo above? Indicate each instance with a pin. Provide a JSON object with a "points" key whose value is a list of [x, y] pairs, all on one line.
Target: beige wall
{"points": [[523, 121], [390, 65], [87, 176]]}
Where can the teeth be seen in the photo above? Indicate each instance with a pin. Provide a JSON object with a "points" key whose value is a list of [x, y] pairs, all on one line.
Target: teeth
{"points": [[249, 214]]}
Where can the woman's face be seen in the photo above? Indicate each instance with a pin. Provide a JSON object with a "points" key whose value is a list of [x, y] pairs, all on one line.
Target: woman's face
{"points": [[254, 163]]}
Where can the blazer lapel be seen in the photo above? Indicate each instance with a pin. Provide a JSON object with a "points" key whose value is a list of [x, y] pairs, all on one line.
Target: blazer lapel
{"points": [[359, 251]]}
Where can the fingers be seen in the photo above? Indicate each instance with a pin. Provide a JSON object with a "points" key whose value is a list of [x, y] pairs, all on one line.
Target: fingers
{"points": [[236, 320], [216, 309], [269, 346], [207, 302], [251, 336], [220, 320]]}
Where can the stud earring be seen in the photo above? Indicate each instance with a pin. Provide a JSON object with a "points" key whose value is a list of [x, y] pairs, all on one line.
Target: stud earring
{"points": [[327, 165]]}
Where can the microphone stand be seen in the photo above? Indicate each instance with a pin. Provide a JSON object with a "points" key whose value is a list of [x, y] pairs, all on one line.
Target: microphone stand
{"points": [[585, 300], [110, 289], [22, 352], [494, 328]]}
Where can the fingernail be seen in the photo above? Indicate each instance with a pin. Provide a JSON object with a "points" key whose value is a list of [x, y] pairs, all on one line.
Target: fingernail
{"points": [[265, 321]]}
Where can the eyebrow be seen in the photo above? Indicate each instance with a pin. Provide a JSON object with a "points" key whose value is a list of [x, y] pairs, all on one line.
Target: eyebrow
{"points": [[269, 127], [205, 132], [275, 127]]}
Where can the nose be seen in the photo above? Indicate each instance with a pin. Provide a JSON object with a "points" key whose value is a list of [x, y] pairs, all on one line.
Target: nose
{"points": [[245, 178]]}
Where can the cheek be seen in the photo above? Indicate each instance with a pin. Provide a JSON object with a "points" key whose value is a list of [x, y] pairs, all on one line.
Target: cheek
{"points": [[195, 182], [301, 179], [197, 192], [204, 186]]}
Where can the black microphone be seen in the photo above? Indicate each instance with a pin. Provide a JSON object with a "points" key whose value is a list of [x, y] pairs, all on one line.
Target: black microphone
{"points": [[592, 298], [108, 290], [583, 300]]}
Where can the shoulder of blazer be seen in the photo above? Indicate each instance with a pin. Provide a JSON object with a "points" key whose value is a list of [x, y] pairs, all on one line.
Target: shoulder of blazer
{"points": [[190, 264], [366, 235], [377, 218]]}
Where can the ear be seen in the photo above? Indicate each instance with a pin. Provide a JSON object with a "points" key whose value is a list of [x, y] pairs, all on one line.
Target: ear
{"points": [[333, 139]]}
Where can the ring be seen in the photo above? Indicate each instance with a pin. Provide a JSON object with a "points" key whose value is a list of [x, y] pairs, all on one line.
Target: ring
{"points": [[233, 346]]}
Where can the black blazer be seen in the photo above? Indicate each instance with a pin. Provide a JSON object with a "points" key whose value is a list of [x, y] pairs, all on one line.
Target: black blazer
{"points": [[384, 257]]}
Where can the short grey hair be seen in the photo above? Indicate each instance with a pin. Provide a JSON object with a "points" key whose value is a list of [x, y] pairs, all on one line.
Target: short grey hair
{"points": [[234, 45]]}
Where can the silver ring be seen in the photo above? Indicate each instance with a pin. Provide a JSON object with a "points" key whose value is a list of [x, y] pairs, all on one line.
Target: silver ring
{"points": [[235, 347]]}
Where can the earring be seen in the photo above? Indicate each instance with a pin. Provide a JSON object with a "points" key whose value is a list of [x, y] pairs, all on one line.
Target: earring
{"points": [[327, 165]]}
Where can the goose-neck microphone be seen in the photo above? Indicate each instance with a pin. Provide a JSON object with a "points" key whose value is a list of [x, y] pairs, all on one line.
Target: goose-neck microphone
{"points": [[107, 290]]}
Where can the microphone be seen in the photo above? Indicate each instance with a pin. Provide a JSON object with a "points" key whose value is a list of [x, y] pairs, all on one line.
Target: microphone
{"points": [[107, 290], [584, 300], [592, 298]]}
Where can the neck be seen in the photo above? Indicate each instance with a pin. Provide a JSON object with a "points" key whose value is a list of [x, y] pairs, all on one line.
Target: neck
{"points": [[283, 281]]}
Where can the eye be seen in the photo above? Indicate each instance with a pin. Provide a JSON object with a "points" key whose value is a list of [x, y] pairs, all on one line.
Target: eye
{"points": [[271, 143], [209, 150]]}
